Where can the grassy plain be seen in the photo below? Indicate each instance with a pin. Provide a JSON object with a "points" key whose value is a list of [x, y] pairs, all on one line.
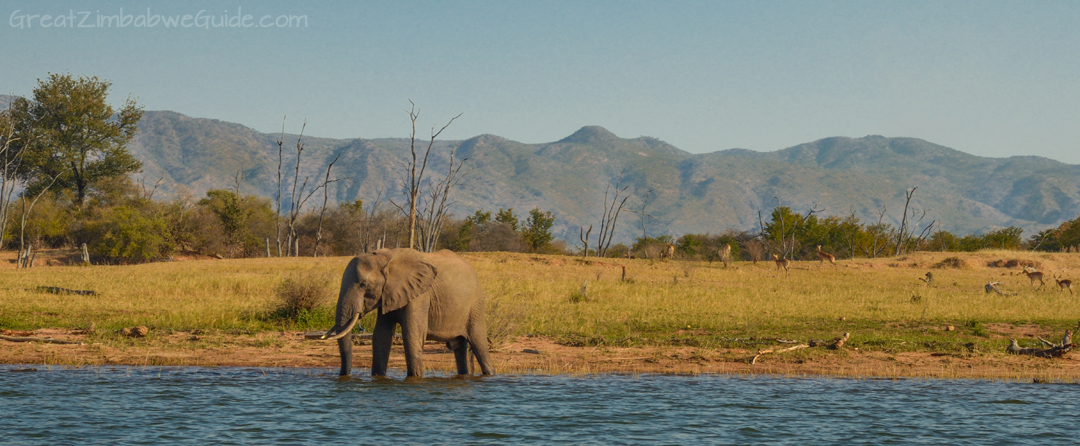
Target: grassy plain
{"points": [[704, 316]]}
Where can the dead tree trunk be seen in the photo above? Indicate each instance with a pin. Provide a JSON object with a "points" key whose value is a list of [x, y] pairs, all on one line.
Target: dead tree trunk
{"points": [[322, 210], [416, 169], [611, 216], [584, 236], [903, 222]]}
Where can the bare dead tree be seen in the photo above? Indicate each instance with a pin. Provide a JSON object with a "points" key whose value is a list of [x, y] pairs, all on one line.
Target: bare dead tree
{"points": [[277, 219], [27, 205], [875, 250], [416, 168], [291, 245], [926, 231], [322, 210], [11, 155], [611, 215], [902, 232], [149, 194], [643, 216], [299, 194], [238, 180], [434, 212], [761, 232], [584, 236], [364, 226]]}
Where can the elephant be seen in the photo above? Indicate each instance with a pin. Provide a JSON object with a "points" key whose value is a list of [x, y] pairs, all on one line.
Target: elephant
{"points": [[434, 296]]}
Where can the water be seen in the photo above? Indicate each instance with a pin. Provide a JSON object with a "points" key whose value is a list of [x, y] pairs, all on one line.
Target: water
{"points": [[135, 405]]}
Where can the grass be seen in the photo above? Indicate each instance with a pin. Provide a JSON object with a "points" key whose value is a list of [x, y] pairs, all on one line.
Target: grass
{"points": [[880, 301]]}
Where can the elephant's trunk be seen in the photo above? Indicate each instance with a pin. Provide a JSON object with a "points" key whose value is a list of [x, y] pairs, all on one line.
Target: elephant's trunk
{"points": [[337, 332]]}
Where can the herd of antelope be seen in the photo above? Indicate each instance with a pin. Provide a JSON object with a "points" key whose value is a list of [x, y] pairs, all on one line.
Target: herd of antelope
{"points": [[784, 265], [1035, 275]]}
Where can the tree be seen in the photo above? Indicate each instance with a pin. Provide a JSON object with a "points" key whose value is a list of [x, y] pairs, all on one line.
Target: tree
{"points": [[10, 161], [415, 169], [537, 232], [507, 216], [643, 216], [435, 210], [1006, 238], [73, 135], [611, 215]]}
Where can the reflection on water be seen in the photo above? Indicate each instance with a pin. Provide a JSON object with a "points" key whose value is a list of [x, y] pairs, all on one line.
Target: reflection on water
{"points": [[132, 405]]}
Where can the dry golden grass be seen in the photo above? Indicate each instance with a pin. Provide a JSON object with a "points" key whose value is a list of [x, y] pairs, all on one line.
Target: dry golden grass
{"points": [[678, 303]]}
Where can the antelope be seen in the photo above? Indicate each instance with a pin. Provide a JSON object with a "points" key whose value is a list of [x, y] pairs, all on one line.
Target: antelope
{"points": [[668, 252], [725, 254], [1034, 275], [1063, 284], [826, 256], [781, 263]]}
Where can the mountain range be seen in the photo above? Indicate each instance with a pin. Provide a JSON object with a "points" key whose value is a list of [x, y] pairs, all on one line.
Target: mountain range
{"points": [[690, 193]]}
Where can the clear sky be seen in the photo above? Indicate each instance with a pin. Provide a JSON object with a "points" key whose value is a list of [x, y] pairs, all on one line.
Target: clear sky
{"points": [[988, 78]]}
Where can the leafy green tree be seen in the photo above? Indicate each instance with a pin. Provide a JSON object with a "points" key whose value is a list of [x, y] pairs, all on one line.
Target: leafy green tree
{"points": [[943, 241], [689, 244], [126, 234], [74, 135], [1006, 238], [246, 220], [465, 232], [537, 232], [970, 243], [507, 216], [1064, 237]]}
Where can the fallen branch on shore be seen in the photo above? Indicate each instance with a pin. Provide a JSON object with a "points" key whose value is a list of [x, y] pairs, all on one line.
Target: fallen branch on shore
{"points": [[37, 339], [839, 342], [1055, 350], [772, 350]]}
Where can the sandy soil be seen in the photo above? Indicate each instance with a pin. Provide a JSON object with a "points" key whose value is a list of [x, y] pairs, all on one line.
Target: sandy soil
{"points": [[529, 355]]}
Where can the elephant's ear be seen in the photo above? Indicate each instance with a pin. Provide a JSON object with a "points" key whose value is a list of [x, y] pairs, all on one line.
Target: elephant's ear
{"points": [[407, 276]]}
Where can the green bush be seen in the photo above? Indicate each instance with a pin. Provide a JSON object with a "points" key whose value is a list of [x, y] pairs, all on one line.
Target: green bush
{"points": [[127, 235]]}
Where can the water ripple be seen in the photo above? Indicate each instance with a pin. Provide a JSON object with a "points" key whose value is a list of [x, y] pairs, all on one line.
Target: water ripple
{"points": [[132, 405]]}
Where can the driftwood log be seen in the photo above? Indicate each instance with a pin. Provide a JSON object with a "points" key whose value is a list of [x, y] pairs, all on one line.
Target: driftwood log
{"points": [[37, 339], [773, 350], [58, 290], [839, 342], [1055, 350]]}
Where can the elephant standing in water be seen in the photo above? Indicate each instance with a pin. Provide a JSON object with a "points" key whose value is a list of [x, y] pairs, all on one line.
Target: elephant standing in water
{"points": [[433, 296]]}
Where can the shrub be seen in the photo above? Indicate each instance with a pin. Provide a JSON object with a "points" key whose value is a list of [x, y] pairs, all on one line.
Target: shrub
{"points": [[300, 297], [124, 234]]}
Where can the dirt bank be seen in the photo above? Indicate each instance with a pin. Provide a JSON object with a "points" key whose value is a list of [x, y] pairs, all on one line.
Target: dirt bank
{"points": [[529, 355]]}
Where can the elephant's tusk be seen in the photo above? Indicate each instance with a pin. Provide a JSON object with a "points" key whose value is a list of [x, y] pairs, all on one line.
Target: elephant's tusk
{"points": [[329, 336]]}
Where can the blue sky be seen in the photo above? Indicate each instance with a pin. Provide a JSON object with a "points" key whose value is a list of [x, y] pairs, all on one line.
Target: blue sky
{"points": [[988, 78]]}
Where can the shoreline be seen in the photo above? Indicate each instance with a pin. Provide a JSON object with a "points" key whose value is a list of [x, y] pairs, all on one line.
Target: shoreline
{"points": [[536, 356]]}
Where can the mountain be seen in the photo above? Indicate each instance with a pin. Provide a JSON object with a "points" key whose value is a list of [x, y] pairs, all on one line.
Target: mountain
{"points": [[707, 192], [690, 192]]}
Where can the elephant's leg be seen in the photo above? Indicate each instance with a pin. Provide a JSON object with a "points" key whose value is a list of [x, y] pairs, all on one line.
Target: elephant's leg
{"points": [[413, 333], [461, 355], [344, 345], [479, 342], [382, 338]]}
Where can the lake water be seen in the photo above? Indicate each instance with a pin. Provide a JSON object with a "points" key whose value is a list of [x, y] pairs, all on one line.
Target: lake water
{"points": [[141, 405]]}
